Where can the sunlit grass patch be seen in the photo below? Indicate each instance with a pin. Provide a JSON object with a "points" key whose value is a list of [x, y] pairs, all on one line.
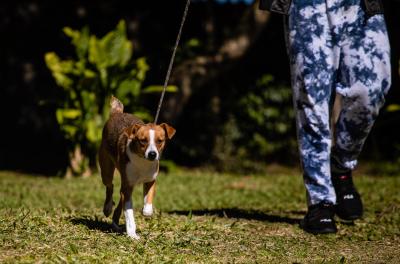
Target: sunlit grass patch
{"points": [[200, 218]]}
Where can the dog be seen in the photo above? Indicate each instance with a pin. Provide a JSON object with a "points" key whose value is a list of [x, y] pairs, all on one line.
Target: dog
{"points": [[134, 149]]}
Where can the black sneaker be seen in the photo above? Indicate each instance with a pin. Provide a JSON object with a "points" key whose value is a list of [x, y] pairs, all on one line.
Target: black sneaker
{"points": [[319, 219], [349, 205]]}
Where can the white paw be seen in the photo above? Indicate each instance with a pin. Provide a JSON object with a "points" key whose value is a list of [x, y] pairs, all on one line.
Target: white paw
{"points": [[134, 236], [147, 210]]}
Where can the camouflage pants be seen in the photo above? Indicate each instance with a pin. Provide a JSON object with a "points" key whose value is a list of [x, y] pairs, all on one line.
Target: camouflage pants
{"points": [[335, 48]]}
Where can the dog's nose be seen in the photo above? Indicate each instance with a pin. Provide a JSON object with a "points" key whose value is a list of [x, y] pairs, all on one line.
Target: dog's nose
{"points": [[152, 155]]}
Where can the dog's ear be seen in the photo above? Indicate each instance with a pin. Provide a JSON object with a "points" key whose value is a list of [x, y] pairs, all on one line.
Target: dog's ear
{"points": [[169, 130], [131, 131]]}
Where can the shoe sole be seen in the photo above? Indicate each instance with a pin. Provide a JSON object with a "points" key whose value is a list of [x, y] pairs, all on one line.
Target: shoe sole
{"points": [[349, 217], [320, 231]]}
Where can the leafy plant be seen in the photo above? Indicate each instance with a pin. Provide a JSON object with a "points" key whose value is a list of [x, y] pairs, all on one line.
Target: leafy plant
{"points": [[269, 118], [102, 67], [262, 128], [393, 108]]}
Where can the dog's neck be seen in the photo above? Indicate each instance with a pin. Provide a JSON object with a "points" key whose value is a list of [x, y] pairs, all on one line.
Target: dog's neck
{"points": [[140, 170]]}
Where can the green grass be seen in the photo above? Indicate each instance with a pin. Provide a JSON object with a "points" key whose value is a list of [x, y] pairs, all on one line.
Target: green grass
{"points": [[200, 218]]}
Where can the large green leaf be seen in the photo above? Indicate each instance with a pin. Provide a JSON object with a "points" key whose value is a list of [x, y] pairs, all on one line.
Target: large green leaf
{"points": [[60, 69], [159, 88], [80, 39], [97, 55], [117, 47], [111, 50], [127, 87]]}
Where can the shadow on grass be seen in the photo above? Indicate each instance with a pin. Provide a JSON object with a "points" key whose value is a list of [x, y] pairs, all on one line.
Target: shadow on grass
{"points": [[94, 224], [241, 214], [345, 222]]}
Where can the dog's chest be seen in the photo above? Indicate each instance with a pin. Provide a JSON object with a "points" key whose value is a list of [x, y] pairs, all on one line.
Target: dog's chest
{"points": [[139, 170]]}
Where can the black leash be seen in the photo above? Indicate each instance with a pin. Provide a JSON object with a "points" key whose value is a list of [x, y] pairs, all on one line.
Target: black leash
{"points": [[171, 62]]}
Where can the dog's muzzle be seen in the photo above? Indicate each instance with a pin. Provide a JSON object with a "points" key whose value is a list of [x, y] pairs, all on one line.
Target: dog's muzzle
{"points": [[151, 155]]}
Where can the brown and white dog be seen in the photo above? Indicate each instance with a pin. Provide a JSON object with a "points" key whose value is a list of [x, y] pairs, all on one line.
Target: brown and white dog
{"points": [[134, 149]]}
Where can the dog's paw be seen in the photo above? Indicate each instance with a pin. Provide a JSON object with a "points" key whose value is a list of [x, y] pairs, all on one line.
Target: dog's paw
{"points": [[134, 236], [116, 228], [108, 207], [147, 210]]}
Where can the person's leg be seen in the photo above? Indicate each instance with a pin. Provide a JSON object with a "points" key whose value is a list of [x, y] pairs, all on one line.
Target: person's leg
{"points": [[364, 81], [314, 58], [364, 77]]}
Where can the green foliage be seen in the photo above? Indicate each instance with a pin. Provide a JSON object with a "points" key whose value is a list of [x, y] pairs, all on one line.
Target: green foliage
{"points": [[189, 49], [102, 67], [262, 129], [268, 112], [393, 108]]}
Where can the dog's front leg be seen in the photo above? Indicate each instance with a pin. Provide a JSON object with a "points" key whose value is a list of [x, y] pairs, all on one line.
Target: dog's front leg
{"points": [[149, 190], [129, 215]]}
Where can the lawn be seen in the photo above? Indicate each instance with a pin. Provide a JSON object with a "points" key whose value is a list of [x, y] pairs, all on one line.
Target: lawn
{"points": [[201, 217]]}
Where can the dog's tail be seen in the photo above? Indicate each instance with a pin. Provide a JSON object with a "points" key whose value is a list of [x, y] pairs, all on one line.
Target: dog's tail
{"points": [[116, 105]]}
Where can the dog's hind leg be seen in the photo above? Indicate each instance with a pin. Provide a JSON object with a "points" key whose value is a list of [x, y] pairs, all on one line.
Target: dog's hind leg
{"points": [[117, 213], [107, 168]]}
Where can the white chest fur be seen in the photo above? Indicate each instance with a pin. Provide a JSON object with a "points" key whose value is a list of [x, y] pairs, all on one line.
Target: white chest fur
{"points": [[140, 170]]}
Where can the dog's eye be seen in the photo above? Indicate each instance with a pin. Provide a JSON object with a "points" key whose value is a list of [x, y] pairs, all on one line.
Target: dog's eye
{"points": [[143, 141], [160, 141]]}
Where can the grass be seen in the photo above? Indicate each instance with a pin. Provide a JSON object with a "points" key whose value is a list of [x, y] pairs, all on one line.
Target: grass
{"points": [[200, 218]]}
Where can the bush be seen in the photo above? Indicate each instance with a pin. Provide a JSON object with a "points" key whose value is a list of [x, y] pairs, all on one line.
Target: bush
{"points": [[102, 67], [266, 130]]}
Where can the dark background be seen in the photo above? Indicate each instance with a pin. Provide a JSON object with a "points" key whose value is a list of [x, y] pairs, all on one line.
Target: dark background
{"points": [[30, 139]]}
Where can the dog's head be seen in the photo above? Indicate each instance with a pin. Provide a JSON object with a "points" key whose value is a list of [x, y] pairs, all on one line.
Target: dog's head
{"points": [[148, 140]]}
